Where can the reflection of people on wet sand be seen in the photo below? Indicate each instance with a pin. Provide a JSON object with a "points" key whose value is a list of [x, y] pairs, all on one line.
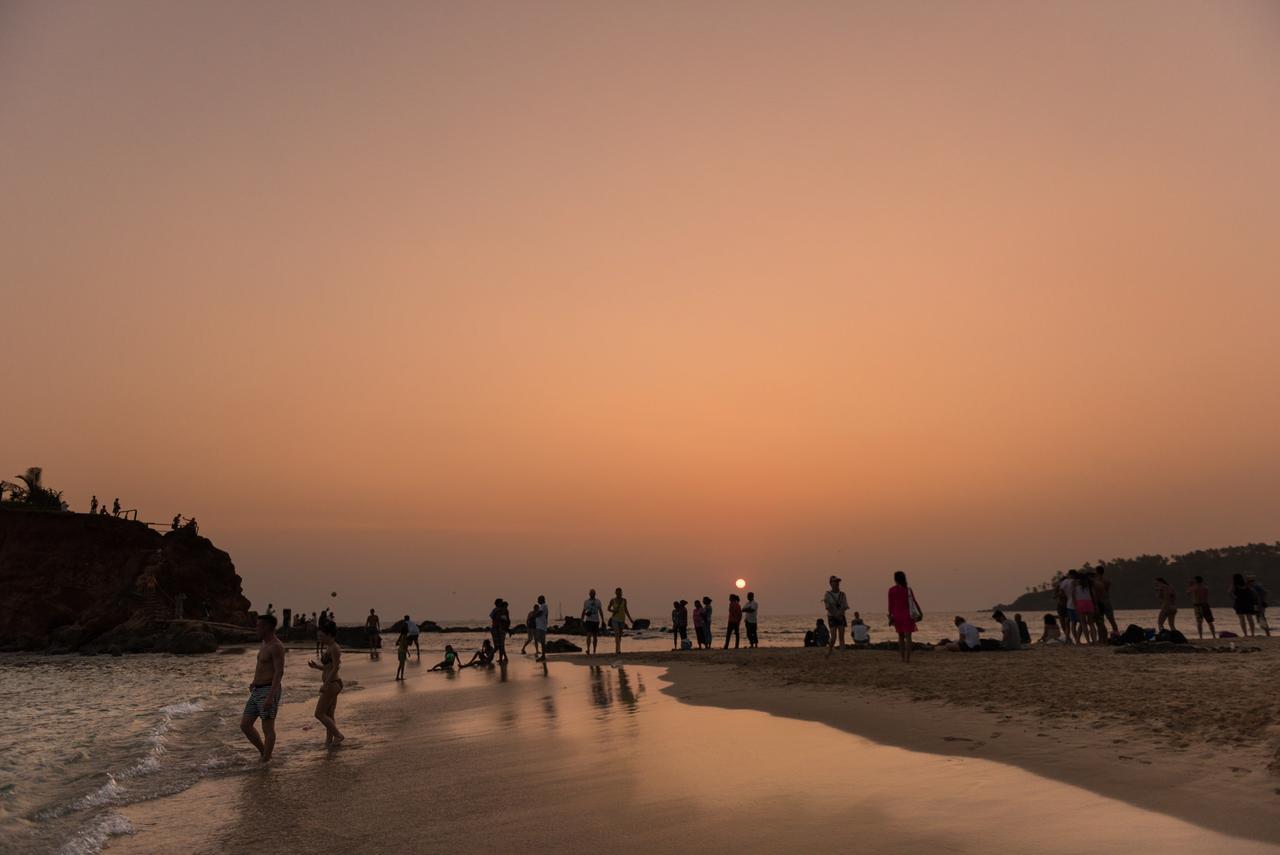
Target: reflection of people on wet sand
{"points": [[330, 683], [450, 656], [264, 693]]}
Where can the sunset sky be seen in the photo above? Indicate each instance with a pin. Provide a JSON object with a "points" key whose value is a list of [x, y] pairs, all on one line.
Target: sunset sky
{"points": [[432, 303]]}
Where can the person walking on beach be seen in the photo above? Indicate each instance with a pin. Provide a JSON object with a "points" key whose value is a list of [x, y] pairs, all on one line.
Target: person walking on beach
{"points": [[837, 605], [735, 619], [1199, 592], [592, 618], [1245, 603], [330, 683], [541, 612], [530, 620], [699, 623], [750, 614], [373, 629], [1168, 604], [1260, 593], [619, 617], [266, 689], [904, 612], [499, 624], [402, 652]]}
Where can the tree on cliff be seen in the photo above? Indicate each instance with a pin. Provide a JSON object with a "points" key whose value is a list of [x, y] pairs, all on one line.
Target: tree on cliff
{"points": [[34, 495]]}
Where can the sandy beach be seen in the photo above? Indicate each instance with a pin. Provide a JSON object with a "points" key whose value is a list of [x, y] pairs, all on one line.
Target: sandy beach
{"points": [[775, 750]]}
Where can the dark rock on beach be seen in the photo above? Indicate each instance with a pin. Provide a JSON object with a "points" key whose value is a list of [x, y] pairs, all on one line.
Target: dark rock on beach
{"points": [[562, 645], [76, 580]]}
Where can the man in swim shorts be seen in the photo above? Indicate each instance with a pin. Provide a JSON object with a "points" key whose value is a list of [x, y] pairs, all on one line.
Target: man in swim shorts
{"points": [[1199, 592], [265, 692]]}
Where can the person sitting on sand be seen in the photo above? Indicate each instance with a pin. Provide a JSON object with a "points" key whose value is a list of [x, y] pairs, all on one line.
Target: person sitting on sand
{"points": [[1052, 634], [402, 652], [1009, 636], [837, 605], [1199, 592], [1168, 604], [1245, 603], [968, 642], [450, 657], [860, 631], [483, 656], [330, 683], [1024, 632], [819, 636]]}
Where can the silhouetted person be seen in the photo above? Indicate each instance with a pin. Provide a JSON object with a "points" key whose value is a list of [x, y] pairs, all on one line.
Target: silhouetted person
{"points": [[93, 505], [115, 508], [177, 520]]}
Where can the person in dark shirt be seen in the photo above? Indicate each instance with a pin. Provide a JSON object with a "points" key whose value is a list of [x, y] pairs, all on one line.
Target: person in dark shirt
{"points": [[1024, 632]]}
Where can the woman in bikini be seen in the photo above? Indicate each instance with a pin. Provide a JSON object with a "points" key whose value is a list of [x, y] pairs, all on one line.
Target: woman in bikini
{"points": [[330, 682]]}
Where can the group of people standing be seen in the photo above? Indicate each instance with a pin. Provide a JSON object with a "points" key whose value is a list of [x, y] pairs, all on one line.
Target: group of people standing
{"points": [[903, 611], [739, 613]]}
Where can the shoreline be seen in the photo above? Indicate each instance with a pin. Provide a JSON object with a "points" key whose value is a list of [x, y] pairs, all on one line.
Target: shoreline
{"points": [[1216, 779]]}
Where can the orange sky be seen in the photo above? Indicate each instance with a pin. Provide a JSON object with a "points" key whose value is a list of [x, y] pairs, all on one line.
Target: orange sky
{"points": [[435, 303]]}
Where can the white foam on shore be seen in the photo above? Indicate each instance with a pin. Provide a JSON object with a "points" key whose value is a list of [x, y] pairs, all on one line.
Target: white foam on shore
{"points": [[90, 839]]}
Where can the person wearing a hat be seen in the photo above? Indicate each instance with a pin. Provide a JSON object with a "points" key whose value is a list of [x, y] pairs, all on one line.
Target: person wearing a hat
{"points": [[837, 604]]}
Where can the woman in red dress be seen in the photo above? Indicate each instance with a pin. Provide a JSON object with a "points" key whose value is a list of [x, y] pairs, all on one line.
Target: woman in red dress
{"points": [[904, 611]]}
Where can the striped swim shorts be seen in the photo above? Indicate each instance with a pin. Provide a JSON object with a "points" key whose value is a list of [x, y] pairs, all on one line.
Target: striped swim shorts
{"points": [[257, 707]]}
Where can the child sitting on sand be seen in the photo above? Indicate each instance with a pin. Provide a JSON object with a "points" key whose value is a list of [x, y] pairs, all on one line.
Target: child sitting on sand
{"points": [[449, 658]]}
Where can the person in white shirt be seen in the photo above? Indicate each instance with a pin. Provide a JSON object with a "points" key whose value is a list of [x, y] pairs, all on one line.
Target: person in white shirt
{"points": [[411, 629], [541, 611], [1009, 635], [969, 641], [861, 632], [592, 617], [750, 612]]}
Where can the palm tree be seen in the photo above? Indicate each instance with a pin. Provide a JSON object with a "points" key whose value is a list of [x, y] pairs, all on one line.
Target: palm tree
{"points": [[32, 479]]}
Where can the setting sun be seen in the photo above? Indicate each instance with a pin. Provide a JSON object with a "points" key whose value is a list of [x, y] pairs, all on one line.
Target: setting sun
{"points": [[741, 583]]}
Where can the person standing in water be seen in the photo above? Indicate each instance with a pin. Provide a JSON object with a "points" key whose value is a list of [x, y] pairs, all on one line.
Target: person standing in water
{"points": [[750, 614], [402, 652], [619, 617], [373, 628], [735, 619], [904, 611], [499, 623], [266, 689], [542, 612], [837, 607], [592, 617], [330, 683]]}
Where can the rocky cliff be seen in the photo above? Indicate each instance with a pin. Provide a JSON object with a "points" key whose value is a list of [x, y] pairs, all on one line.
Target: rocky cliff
{"points": [[73, 580]]}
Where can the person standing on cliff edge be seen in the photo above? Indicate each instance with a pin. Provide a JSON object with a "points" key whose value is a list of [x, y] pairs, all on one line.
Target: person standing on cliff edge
{"points": [[265, 691]]}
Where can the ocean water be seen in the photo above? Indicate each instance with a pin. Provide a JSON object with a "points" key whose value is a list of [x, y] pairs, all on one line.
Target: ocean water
{"points": [[83, 737]]}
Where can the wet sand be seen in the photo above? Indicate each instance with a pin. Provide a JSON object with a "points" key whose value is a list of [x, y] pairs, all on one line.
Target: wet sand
{"points": [[584, 758]]}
